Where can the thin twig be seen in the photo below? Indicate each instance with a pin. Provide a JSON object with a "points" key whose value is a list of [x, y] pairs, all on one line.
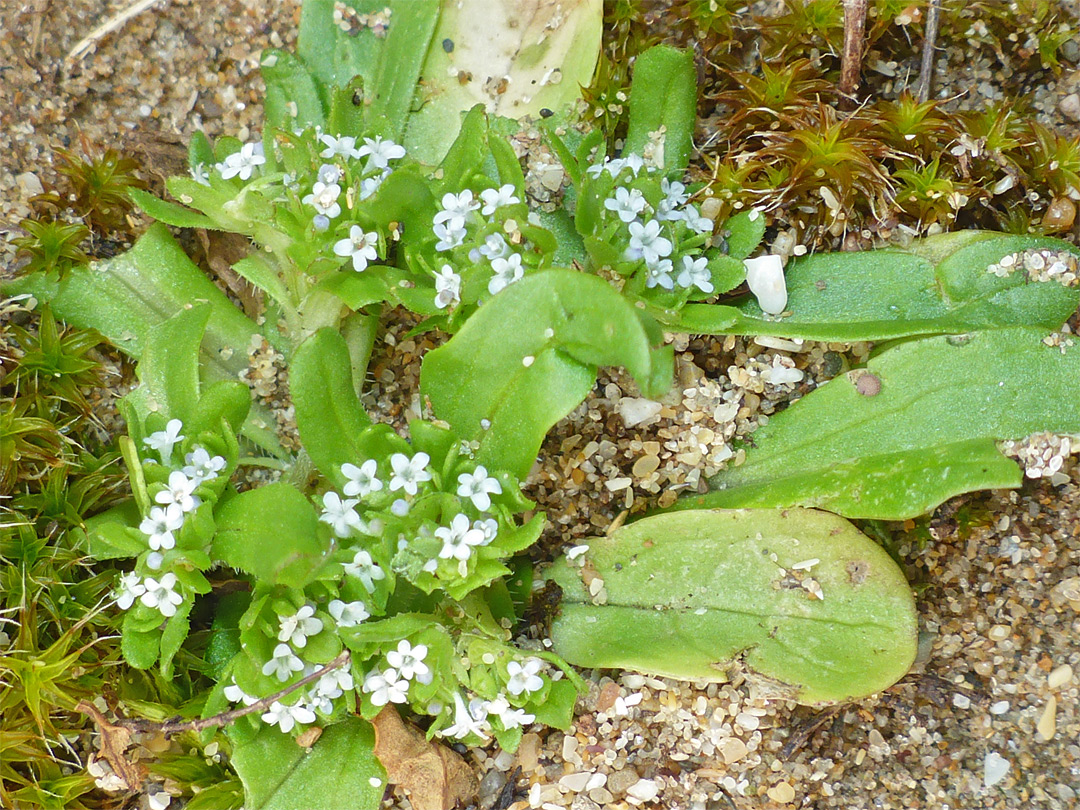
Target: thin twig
{"points": [[118, 20], [851, 59], [223, 719], [926, 70]]}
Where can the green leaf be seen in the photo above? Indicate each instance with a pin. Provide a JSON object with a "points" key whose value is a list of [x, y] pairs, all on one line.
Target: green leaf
{"points": [[226, 399], [357, 290], [663, 93], [200, 152], [224, 641], [169, 368], [926, 435], [257, 270], [292, 98], [744, 233], [328, 414], [890, 293], [713, 594], [139, 647], [107, 536], [528, 357], [340, 772], [172, 637], [546, 52], [168, 212], [272, 533]]}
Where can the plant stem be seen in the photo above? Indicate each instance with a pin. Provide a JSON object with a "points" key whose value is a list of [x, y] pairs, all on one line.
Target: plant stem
{"points": [[926, 70], [851, 60]]}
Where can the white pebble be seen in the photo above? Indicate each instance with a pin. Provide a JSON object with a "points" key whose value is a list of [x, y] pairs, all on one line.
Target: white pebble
{"points": [[1059, 676], [961, 701], [1000, 707], [635, 410], [747, 721], [644, 790], [995, 767]]}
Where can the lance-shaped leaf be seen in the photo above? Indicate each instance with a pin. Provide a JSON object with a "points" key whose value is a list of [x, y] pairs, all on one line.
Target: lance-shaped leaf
{"points": [[533, 54], [529, 356], [914, 428], [940, 285], [797, 599], [663, 98], [339, 772]]}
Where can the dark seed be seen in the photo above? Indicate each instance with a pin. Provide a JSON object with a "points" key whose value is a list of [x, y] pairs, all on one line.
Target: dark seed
{"points": [[448, 45], [546, 113]]}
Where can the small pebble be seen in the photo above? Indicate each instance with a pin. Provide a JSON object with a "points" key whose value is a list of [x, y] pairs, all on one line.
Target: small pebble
{"points": [[961, 701], [1070, 106], [732, 749], [1047, 724], [995, 767], [747, 721], [1000, 707], [1059, 676], [782, 792], [575, 782], [644, 790]]}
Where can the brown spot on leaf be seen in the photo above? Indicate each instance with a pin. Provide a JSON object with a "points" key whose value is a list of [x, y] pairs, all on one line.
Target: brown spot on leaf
{"points": [[433, 776], [858, 571]]}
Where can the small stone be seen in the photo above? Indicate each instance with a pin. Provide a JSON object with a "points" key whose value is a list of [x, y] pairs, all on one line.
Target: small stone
{"points": [[999, 632], [635, 410], [596, 780], [1070, 106], [781, 792], [644, 790], [528, 752], [1000, 707], [645, 465], [1047, 724], [732, 749], [601, 796], [961, 701], [619, 781], [575, 782], [569, 746], [995, 767], [490, 787], [748, 721], [1059, 676]]}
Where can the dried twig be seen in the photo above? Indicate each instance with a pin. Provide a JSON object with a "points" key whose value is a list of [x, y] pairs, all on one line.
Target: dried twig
{"points": [[117, 21], [223, 719], [926, 70], [851, 59]]}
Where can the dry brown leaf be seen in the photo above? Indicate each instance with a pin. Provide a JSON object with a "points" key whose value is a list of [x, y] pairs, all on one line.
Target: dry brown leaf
{"points": [[433, 776], [114, 742], [309, 737], [221, 250]]}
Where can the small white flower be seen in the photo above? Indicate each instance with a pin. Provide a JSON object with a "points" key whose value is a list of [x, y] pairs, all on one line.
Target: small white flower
{"points": [[634, 163], [507, 271], [365, 569], [765, 277], [488, 527], [283, 663], [163, 440], [479, 487], [508, 715], [612, 166], [456, 208], [161, 524], [695, 273], [341, 515], [362, 480], [369, 185], [386, 687], [447, 288], [459, 538], [241, 164], [409, 472], [154, 560], [130, 588], [286, 717], [674, 196], [409, 660], [359, 246], [627, 203], [381, 152], [329, 173], [646, 242], [524, 678], [200, 174], [324, 199], [344, 146], [295, 629], [201, 466], [494, 247], [464, 722], [180, 491], [450, 236], [696, 222], [234, 694], [348, 614], [659, 274], [494, 199], [160, 595]]}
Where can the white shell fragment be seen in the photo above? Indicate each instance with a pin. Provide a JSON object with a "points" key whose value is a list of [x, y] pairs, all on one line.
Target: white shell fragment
{"points": [[765, 276], [995, 767]]}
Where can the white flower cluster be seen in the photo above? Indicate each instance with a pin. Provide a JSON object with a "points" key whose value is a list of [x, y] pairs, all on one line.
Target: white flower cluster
{"points": [[647, 241], [450, 226], [474, 717], [319, 698], [175, 501], [391, 683]]}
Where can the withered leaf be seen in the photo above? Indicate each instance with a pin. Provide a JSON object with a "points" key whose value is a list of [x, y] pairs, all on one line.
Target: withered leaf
{"points": [[114, 742], [433, 776]]}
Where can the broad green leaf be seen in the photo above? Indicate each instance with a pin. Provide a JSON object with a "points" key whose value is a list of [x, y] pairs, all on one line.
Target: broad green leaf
{"points": [[528, 357], [223, 643], [140, 647], [272, 533], [257, 269], [545, 52], [711, 594], [663, 94], [169, 368], [928, 433], [292, 98], [226, 399], [397, 77], [168, 212], [172, 638], [328, 414], [890, 293], [106, 536], [340, 772], [744, 233]]}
